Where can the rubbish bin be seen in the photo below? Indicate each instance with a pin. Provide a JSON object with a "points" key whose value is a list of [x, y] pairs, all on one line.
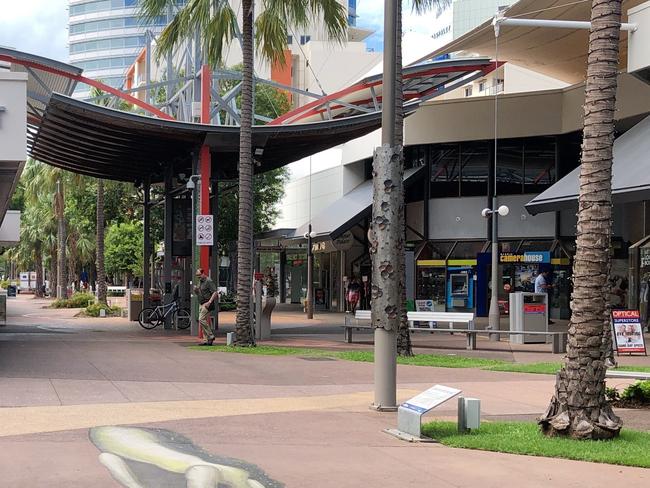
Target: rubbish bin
{"points": [[11, 291], [3, 308], [134, 303], [528, 313]]}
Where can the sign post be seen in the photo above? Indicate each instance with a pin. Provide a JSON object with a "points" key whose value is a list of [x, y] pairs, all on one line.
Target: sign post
{"points": [[628, 332], [409, 413], [204, 230]]}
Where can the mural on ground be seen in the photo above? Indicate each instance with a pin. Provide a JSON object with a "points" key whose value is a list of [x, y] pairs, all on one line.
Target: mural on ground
{"points": [[142, 458]]}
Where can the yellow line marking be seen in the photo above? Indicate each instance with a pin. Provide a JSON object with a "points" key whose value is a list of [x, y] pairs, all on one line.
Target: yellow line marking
{"points": [[33, 420]]}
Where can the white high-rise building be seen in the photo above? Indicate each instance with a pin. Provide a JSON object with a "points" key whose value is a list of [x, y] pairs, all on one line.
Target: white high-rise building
{"points": [[105, 36]]}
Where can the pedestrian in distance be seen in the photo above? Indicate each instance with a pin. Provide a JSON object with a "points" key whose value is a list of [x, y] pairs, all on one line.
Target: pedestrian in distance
{"points": [[206, 291], [543, 285]]}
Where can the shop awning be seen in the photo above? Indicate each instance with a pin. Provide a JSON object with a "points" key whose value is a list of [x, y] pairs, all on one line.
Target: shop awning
{"points": [[559, 53], [630, 175], [348, 210]]}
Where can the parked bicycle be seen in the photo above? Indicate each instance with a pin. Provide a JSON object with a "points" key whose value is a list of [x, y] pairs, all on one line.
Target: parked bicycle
{"points": [[152, 317]]}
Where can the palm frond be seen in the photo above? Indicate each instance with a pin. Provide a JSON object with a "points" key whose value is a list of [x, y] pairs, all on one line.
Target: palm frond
{"points": [[272, 25], [422, 6]]}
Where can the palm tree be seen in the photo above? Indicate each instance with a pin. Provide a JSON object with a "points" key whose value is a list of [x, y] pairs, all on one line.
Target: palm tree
{"points": [[217, 22], [578, 408], [101, 269]]}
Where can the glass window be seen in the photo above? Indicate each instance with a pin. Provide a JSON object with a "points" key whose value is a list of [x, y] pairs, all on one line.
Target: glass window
{"points": [[289, 40], [510, 167], [475, 164], [467, 249], [435, 250], [539, 164]]}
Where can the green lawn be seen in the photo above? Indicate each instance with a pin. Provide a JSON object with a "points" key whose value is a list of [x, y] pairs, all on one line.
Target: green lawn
{"points": [[630, 449], [430, 360]]}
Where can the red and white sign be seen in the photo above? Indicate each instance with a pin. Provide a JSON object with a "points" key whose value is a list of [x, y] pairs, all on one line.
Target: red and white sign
{"points": [[535, 308], [628, 332]]}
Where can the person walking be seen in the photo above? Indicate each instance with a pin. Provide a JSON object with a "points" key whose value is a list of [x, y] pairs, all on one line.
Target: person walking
{"points": [[542, 285], [206, 291], [354, 294]]}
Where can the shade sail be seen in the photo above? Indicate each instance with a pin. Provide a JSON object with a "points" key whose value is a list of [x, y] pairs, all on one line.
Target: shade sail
{"points": [[348, 210], [98, 141], [559, 53], [630, 175]]}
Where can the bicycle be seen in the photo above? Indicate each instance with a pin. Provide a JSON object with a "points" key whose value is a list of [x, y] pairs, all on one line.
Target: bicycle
{"points": [[152, 317]]}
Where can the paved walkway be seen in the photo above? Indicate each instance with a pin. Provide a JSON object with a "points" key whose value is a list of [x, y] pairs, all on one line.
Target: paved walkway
{"points": [[303, 422]]}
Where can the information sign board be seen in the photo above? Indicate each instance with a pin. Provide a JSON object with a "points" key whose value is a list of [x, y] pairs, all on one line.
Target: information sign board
{"points": [[628, 332], [424, 306], [430, 398], [204, 230]]}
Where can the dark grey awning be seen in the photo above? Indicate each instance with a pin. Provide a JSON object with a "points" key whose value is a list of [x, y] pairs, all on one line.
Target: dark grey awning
{"points": [[344, 213], [630, 175]]}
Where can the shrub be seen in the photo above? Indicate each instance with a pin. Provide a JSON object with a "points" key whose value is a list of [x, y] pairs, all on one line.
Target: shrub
{"points": [[612, 394], [227, 306], [4, 284], [78, 300], [637, 392], [93, 310]]}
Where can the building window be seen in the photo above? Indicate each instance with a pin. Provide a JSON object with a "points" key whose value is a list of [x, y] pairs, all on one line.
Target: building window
{"points": [[468, 91], [289, 40], [305, 39], [481, 86]]}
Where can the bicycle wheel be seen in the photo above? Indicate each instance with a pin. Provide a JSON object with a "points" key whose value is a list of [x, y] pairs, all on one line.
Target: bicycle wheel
{"points": [[149, 318], [182, 318]]}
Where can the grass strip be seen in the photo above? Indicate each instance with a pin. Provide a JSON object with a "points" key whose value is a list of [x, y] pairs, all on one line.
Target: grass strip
{"points": [[429, 360], [629, 449]]}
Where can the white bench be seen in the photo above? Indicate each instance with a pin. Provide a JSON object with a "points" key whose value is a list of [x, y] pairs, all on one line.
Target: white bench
{"points": [[449, 318], [361, 321], [633, 375]]}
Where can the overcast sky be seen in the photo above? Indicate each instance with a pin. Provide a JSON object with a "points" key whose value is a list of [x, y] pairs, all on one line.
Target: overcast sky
{"points": [[40, 26]]}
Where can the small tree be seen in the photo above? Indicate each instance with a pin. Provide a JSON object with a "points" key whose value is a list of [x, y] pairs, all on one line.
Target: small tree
{"points": [[124, 244]]}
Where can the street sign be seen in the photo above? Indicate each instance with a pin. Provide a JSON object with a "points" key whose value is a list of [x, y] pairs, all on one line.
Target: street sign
{"points": [[204, 230], [430, 398], [409, 413]]}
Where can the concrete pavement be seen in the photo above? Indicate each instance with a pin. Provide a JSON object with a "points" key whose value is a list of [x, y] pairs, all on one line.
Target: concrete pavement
{"points": [[302, 422]]}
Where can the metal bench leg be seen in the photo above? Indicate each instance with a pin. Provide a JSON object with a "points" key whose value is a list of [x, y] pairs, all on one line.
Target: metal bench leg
{"points": [[348, 335], [471, 341], [559, 343]]}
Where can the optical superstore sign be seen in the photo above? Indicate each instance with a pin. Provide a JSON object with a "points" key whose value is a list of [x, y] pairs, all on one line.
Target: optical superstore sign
{"points": [[534, 257]]}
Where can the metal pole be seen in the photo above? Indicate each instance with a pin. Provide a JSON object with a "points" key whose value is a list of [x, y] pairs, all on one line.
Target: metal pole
{"points": [[386, 340], [558, 24], [169, 222], [146, 214], [215, 257], [310, 275], [494, 317]]}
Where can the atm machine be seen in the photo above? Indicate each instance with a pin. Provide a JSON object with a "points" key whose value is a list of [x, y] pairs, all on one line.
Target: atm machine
{"points": [[460, 289]]}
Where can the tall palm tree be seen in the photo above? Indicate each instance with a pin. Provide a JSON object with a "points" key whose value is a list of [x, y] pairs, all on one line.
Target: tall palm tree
{"points": [[578, 408], [217, 23], [101, 268]]}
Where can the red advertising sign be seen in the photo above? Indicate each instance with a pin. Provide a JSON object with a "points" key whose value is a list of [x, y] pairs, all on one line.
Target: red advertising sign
{"points": [[628, 332], [259, 276], [535, 308]]}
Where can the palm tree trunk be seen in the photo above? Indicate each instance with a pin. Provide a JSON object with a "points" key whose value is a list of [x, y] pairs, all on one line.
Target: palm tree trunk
{"points": [[404, 346], [101, 271], [53, 272], [61, 279], [578, 408], [245, 227], [38, 264]]}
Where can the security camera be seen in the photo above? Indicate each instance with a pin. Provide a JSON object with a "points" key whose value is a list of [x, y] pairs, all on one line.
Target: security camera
{"points": [[190, 184], [306, 235]]}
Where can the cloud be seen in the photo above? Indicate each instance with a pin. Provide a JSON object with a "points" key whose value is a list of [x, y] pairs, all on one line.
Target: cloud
{"points": [[35, 26], [416, 28]]}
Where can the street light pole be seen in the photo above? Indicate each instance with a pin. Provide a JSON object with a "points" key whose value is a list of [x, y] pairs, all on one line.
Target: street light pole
{"points": [[310, 276], [494, 317]]}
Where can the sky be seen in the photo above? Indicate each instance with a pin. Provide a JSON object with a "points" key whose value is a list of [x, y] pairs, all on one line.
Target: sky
{"points": [[40, 26]]}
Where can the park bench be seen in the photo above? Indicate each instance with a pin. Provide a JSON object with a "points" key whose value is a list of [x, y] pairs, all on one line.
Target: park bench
{"points": [[633, 375], [361, 320]]}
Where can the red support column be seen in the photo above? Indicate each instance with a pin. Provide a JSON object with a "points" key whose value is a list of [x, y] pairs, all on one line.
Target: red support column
{"points": [[205, 160]]}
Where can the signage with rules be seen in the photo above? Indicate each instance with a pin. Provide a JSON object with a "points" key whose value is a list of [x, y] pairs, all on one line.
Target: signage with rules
{"points": [[204, 230], [628, 332]]}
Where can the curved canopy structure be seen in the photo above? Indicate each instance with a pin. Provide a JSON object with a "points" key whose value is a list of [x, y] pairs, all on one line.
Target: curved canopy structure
{"points": [[421, 83], [105, 143]]}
